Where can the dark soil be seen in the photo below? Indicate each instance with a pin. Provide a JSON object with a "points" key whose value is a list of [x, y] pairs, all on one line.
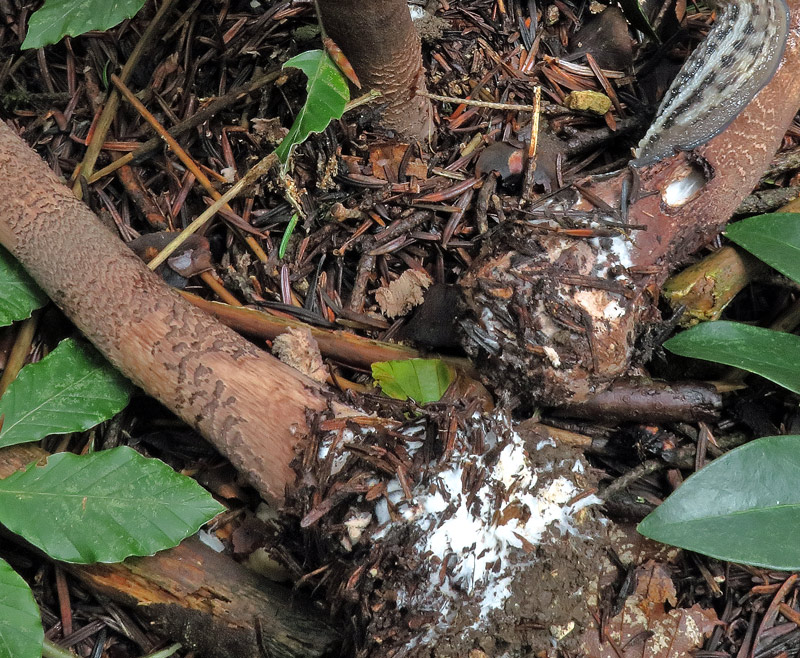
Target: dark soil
{"points": [[364, 227], [499, 544]]}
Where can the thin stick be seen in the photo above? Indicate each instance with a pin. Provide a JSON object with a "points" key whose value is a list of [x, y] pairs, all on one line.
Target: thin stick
{"points": [[261, 168], [362, 100], [201, 116], [210, 278], [86, 167], [176, 148], [469, 101], [527, 189], [19, 352], [342, 347], [191, 165]]}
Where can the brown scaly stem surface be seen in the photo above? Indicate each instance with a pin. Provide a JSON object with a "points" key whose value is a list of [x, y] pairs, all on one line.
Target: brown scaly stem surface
{"points": [[383, 47], [251, 406]]}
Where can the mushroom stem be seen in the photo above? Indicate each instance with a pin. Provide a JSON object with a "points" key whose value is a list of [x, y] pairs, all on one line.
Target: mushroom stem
{"points": [[247, 403]]}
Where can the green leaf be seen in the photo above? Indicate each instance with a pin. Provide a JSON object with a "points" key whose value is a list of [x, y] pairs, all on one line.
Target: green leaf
{"points": [[422, 380], [287, 234], [743, 507], [57, 18], [72, 389], [636, 17], [774, 238], [19, 294], [327, 97], [21, 633], [104, 506], [771, 354]]}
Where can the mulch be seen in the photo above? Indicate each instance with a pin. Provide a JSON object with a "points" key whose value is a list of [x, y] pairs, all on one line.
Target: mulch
{"points": [[373, 207]]}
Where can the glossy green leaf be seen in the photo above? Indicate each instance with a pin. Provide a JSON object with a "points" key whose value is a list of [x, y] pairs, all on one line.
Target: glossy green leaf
{"points": [[57, 18], [771, 354], [327, 97], [422, 380], [19, 294], [104, 506], [774, 238], [743, 507], [21, 633], [72, 389]]}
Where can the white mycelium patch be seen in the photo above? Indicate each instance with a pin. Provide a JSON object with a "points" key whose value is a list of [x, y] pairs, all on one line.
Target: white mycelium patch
{"points": [[613, 310], [612, 252], [416, 12], [341, 455], [484, 539], [684, 189], [621, 248]]}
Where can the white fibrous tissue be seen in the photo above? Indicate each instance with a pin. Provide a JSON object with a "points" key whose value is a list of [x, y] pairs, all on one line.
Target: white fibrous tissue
{"points": [[470, 527], [485, 538], [416, 11], [612, 252], [340, 456]]}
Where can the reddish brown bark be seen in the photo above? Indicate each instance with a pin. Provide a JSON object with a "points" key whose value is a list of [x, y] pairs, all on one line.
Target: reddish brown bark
{"points": [[248, 404], [212, 604], [557, 317], [384, 48], [204, 599]]}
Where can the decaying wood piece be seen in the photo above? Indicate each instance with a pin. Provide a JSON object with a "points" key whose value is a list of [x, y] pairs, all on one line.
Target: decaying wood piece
{"points": [[249, 405], [705, 288], [557, 318], [384, 48], [212, 604], [340, 346], [203, 599], [640, 399]]}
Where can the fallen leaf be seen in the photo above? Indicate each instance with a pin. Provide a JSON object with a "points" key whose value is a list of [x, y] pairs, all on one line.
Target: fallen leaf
{"points": [[645, 628], [386, 159]]}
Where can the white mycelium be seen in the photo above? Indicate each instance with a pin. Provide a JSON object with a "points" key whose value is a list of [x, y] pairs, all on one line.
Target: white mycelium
{"points": [[484, 539]]}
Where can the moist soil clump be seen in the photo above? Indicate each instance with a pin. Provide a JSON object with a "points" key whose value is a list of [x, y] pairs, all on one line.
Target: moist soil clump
{"points": [[434, 542]]}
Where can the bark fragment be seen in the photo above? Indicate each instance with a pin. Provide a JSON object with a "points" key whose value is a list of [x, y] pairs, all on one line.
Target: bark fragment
{"points": [[641, 399]]}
